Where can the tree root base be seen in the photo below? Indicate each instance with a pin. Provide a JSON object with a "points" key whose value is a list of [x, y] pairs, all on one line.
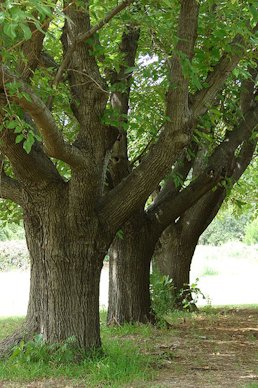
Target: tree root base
{"points": [[25, 332]]}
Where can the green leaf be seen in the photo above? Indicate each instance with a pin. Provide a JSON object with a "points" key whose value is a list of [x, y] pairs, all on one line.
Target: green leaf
{"points": [[27, 145], [12, 124], [9, 30], [120, 234], [26, 31], [19, 138]]}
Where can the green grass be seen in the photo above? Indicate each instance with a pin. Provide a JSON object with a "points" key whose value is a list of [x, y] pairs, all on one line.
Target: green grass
{"points": [[8, 325], [209, 271], [123, 360]]}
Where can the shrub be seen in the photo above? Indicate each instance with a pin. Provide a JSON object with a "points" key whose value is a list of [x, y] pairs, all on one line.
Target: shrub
{"points": [[251, 232], [13, 255], [11, 232], [162, 295]]}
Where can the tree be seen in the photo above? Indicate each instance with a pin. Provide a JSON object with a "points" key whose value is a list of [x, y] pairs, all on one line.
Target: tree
{"points": [[131, 253], [177, 245], [191, 210], [55, 115]]}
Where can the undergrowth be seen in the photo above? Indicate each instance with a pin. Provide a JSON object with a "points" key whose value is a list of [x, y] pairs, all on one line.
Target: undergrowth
{"points": [[123, 358]]}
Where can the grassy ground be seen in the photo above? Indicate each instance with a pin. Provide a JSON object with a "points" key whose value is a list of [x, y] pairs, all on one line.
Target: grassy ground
{"points": [[214, 348]]}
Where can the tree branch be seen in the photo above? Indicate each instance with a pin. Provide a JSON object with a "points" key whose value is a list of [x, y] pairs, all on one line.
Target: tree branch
{"points": [[53, 141], [177, 108], [9, 187], [133, 191], [182, 169], [196, 219], [171, 208], [119, 166], [217, 76], [33, 167], [31, 49], [221, 164], [86, 35]]}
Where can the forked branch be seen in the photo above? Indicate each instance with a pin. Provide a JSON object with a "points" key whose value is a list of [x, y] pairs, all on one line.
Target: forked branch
{"points": [[86, 35], [133, 191]]}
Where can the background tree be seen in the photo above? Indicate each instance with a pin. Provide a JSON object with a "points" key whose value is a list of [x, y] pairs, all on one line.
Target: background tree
{"points": [[130, 253], [176, 248]]}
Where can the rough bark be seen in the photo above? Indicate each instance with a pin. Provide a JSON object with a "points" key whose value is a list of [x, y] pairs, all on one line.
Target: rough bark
{"points": [[173, 244], [66, 260], [176, 247], [65, 271], [129, 269]]}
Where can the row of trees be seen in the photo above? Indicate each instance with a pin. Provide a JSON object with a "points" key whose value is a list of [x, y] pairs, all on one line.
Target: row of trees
{"points": [[123, 129]]}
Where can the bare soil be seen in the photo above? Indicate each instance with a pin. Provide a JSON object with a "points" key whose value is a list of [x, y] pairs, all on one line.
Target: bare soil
{"points": [[211, 351]]}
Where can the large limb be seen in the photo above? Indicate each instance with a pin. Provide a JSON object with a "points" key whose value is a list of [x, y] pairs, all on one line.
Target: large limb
{"points": [[52, 138], [133, 191], [119, 166], [177, 177], [219, 166], [195, 220], [32, 50], [88, 89], [224, 159], [9, 187], [139, 184], [84, 36], [33, 167], [218, 75]]}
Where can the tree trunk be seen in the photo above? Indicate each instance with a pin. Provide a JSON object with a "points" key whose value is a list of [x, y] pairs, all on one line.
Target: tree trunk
{"points": [[129, 274], [173, 257], [66, 262], [175, 250]]}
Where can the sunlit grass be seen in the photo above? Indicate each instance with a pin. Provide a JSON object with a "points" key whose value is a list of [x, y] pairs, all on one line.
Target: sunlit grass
{"points": [[8, 325], [122, 361]]}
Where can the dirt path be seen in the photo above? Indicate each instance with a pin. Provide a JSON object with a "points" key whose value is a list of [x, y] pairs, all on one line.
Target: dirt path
{"points": [[207, 350], [211, 351]]}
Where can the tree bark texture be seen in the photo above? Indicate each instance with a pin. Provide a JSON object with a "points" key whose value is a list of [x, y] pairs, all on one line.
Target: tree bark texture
{"points": [[129, 269], [66, 262], [173, 256]]}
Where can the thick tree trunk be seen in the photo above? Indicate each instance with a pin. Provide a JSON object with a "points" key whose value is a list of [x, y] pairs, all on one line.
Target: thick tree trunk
{"points": [[66, 262], [129, 274], [175, 250], [173, 257]]}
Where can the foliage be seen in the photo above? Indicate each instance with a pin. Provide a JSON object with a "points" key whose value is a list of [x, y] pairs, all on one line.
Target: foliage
{"points": [[189, 295], [251, 232], [11, 231], [14, 255], [162, 295], [166, 299], [10, 213], [244, 194], [225, 227]]}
